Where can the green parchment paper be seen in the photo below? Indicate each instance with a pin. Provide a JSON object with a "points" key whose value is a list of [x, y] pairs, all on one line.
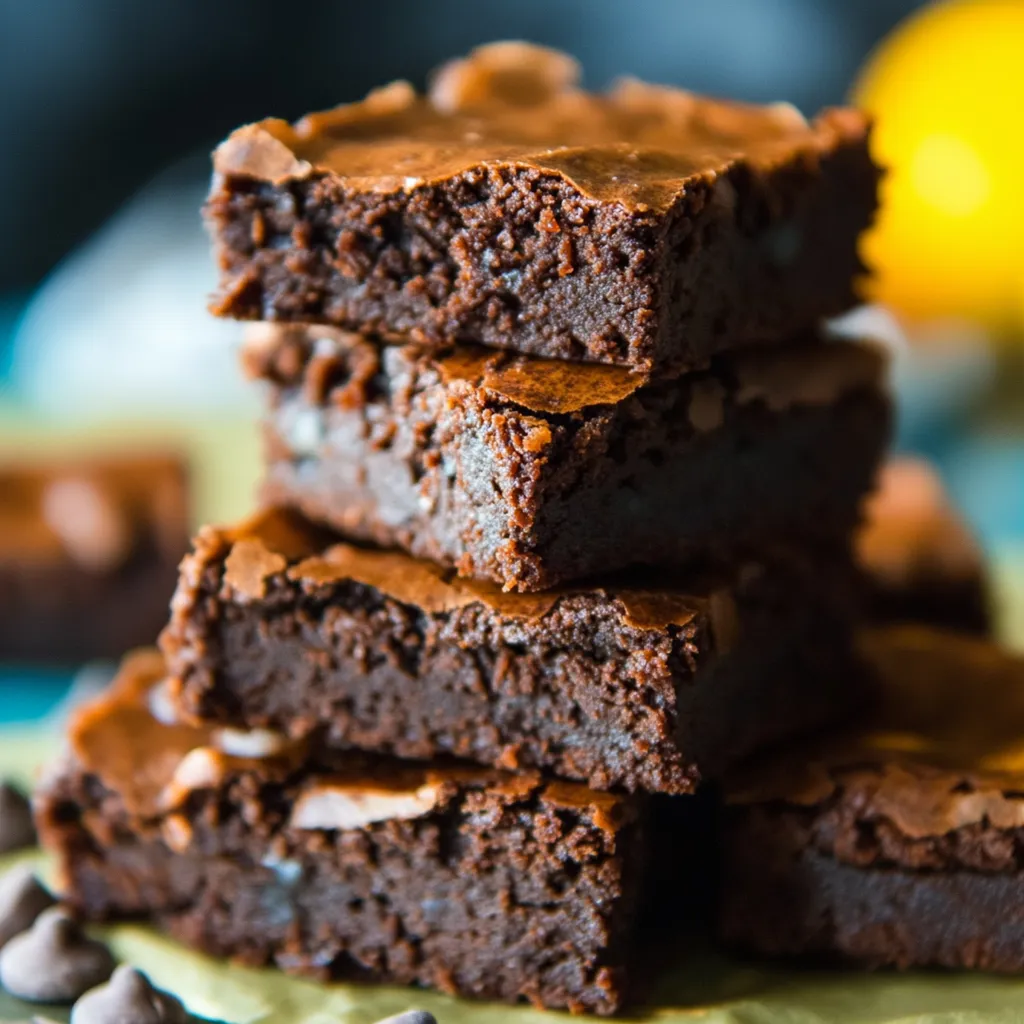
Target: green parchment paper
{"points": [[706, 987]]}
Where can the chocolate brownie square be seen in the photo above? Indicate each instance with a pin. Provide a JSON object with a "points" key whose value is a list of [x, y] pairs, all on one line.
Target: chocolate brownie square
{"points": [[278, 625], [344, 865], [532, 473], [646, 227], [88, 554], [899, 844]]}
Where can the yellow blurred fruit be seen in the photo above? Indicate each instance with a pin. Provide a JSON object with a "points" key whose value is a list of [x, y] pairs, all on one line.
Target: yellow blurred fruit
{"points": [[947, 93]]}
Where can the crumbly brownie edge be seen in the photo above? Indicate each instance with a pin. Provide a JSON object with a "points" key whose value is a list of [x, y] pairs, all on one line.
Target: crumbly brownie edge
{"points": [[524, 538], [610, 285], [489, 463], [785, 254], [419, 264], [557, 956], [381, 674]]}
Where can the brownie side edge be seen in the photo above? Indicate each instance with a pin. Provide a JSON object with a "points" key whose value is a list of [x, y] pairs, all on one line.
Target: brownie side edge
{"points": [[797, 476], [465, 259], [781, 897], [581, 692], [783, 254], [497, 898], [475, 258]]}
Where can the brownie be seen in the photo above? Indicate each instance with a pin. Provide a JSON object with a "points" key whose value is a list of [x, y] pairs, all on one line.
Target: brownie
{"points": [[344, 865], [646, 227], [533, 472], [277, 625], [920, 560], [899, 845], [88, 554]]}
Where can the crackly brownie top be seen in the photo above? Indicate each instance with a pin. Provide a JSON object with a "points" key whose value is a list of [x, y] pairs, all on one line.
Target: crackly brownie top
{"points": [[911, 529], [129, 739], [91, 512], [513, 104], [945, 751], [278, 542], [326, 360]]}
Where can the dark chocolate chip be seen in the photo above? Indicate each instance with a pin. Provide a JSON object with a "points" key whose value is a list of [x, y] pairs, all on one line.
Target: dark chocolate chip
{"points": [[128, 998], [410, 1017], [16, 828], [53, 962], [22, 900]]}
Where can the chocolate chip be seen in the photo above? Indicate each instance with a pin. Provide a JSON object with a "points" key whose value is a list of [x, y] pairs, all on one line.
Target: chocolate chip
{"points": [[22, 900], [54, 962], [128, 998], [410, 1017], [16, 828]]}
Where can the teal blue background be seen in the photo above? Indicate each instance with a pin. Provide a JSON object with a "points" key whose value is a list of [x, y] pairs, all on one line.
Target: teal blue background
{"points": [[27, 695]]}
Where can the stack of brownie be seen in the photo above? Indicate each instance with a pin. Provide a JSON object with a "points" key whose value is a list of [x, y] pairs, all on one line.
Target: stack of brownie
{"points": [[561, 480]]}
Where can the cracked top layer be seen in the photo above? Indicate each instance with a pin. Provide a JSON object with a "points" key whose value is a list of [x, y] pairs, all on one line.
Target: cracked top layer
{"points": [[280, 542], [945, 750], [513, 104]]}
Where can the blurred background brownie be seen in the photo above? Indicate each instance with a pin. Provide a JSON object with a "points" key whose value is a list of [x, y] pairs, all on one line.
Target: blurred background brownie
{"points": [[920, 560], [88, 554], [900, 843], [532, 472]]}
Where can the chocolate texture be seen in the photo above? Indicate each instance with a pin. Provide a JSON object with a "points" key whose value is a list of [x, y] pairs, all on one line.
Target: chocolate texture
{"points": [[277, 625], [345, 865], [532, 473], [646, 227]]}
